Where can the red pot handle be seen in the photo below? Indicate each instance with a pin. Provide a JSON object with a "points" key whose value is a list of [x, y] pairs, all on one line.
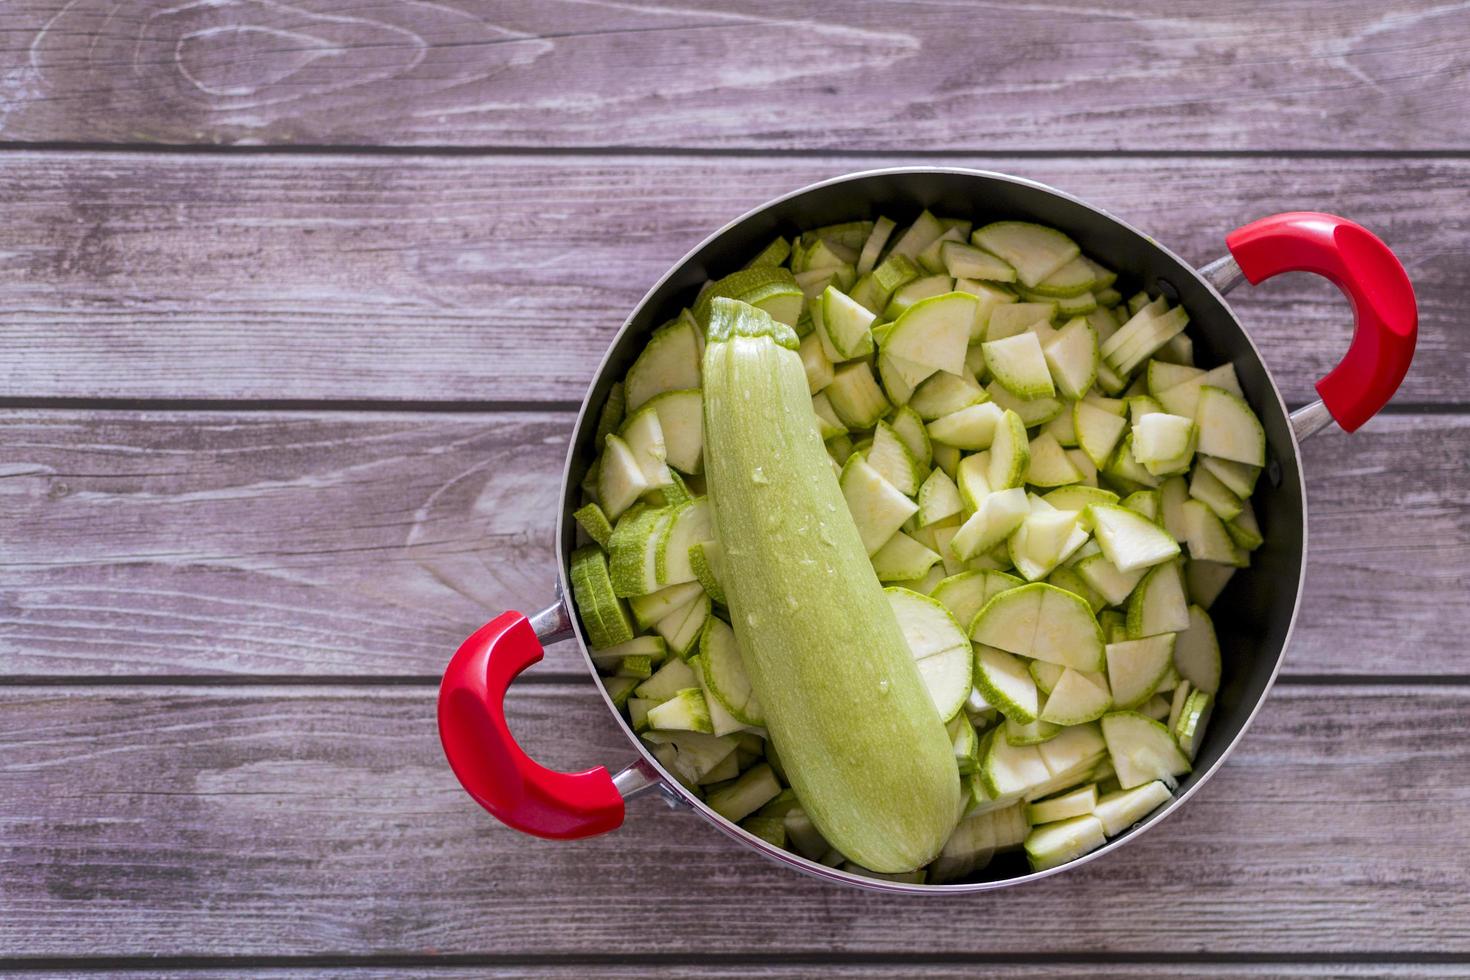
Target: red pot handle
{"points": [[1387, 318], [484, 755]]}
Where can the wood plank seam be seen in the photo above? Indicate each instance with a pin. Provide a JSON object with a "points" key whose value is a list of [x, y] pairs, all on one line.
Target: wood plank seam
{"points": [[674, 152], [1181, 958]]}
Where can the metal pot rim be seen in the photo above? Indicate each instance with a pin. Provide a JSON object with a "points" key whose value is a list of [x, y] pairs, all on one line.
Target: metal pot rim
{"points": [[646, 773]]}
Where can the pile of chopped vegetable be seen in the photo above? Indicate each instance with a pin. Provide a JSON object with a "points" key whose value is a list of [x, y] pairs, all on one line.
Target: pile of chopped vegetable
{"points": [[1050, 490]]}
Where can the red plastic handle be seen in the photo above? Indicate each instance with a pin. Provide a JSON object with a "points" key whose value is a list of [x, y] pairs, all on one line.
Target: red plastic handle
{"points": [[484, 755], [1374, 280]]}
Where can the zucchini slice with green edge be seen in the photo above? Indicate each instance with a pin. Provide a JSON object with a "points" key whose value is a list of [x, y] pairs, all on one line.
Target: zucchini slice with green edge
{"points": [[1142, 750], [1034, 251], [939, 646]]}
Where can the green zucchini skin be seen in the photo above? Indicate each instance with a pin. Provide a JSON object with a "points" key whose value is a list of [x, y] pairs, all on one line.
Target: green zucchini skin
{"points": [[860, 739]]}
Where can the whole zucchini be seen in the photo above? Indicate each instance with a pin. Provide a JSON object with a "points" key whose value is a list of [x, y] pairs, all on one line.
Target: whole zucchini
{"points": [[860, 739]]}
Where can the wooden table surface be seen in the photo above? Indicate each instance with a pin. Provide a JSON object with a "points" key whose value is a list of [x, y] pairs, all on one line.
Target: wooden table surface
{"points": [[300, 301]]}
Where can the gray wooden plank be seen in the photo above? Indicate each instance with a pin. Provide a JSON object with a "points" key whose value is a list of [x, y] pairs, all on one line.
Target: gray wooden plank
{"points": [[325, 544], [322, 821], [504, 278], [753, 73], [773, 969]]}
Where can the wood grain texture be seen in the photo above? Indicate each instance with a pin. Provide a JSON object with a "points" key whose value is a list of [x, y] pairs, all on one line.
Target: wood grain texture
{"points": [[325, 544], [321, 821], [754, 73], [505, 278], [761, 968]]}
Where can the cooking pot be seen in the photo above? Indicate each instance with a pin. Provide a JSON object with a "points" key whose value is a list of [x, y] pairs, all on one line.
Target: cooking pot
{"points": [[1253, 616]]}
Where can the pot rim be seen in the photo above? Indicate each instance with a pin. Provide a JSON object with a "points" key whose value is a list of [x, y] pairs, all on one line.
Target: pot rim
{"points": [[676, 795]]}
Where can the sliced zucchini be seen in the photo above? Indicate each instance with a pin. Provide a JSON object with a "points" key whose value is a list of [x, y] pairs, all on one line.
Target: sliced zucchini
{"points": [[1031, 411], [829, 426], [691, 755], [1014, 319], [682, 627], [772, 289], [1010, 453], [1228, 429], [1162, 442], [1078, 498], [968, 262], [1146, 503], [644, 435], [1135, 668], [723, 673], [903, 559], [1007, 771], [1006, 684], [878, 508], [910, 293], [690, 524], [1072, 357], [753, 790], [1034, 251], [670, 362], [684, 712], [1208, 537], [1045, 538], [873, 245], [649, 609], [1197, 652], [1042, 622], [995, 520], [1121, 810], [891, 457], [938, 498], [1074, 803], [943, 394], [1049, 464], [1142, 750], [919, 236], [910, 428], [1239, 478], [1098, 431], [965, 594], [592, 520], [1137, 340], [619, 689], [846, 326], [1019, 365], [1206, 580], [891, 273], [934, 332], [940, 648], [1030, 733], [1104, 577], [1162, 375], [968, 849], [620, 479], [1204, 486], [1189, 730], [1182, 398], [1244, 530], [1130, 541], [1078, 696], [1158, 604], [1067, 578], [634, 550], [603, 612], [970, 428], [856, 397], [1055, 844], [773, 254], [1073, 279]]}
